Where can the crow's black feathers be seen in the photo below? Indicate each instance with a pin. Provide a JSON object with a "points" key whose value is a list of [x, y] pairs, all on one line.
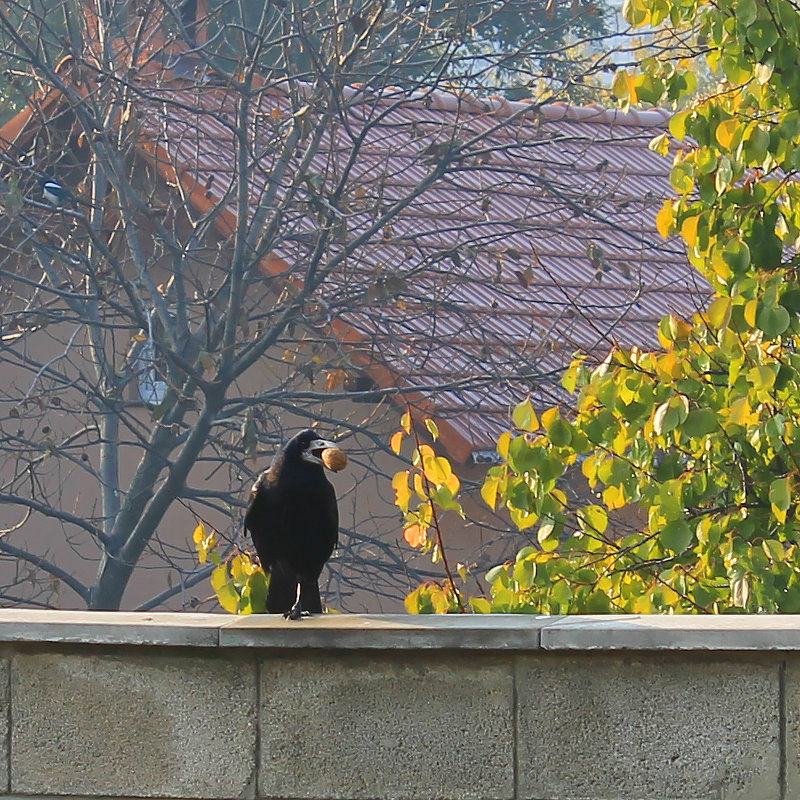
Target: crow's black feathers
{"points": [[294, 523]]}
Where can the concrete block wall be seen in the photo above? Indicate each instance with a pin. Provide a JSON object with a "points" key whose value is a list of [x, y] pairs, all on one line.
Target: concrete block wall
{"points": [[402, 708]]}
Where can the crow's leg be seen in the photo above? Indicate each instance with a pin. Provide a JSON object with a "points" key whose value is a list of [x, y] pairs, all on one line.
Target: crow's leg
{"points": [[308, 600], [282, 590], [296, 611], [309, 594]]}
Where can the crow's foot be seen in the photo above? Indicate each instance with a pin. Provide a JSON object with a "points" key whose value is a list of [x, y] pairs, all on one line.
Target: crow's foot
{"points": [[296, 612]]}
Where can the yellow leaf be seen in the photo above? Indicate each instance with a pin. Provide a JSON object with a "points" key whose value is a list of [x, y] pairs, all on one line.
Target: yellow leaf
{"points": [[740, 412], [425, 516], [503, 443], [641, 605], [480, 605], [660, 144], [624, 86], [778, 513], [402, 490], [666, 219], [679, 328], [489, 490], [727, 132], [242, 567], [437, 470], [412, 601], [750, 309], [669, 366], [439, 600], [432, 428], [396, 442], [203, 542], [224, 590], [719, 313], [405, 422], [452, 484], [549, 417], [689, 230], [614, 497], [559, 496], [415, 535], [422, 454]]}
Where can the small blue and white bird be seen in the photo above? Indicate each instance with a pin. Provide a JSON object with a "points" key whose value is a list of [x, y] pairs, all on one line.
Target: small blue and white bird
{"points": [[55, 194]]}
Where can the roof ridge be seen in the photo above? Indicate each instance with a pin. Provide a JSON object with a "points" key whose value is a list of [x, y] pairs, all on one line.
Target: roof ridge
{"points": [[496, 104]]}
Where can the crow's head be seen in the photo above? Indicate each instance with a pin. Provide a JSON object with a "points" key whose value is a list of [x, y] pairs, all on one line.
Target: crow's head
{"points": [[307, 445]]}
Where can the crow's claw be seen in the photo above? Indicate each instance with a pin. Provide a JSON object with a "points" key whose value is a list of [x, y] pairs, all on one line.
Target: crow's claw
{"points": [[296, 612]]}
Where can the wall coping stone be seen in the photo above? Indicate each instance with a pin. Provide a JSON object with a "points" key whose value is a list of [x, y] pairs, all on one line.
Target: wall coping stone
{"points": [[406, 632]]}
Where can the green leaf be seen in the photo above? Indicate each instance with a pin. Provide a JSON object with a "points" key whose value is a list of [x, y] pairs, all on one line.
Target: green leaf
{"points": [[790, 300], [495, 573], [762, 378], [676, 536], [757, 145], [772, 320], [524, 572], [668, 416], [561, 593], [700, 422], [257, 590], [762, 35], [746, 12], [593, 519], [677, 124], [560, 432], [524, 457], [724, 175], [774, 550], [503, 601], [682, 178], [780, 493], [547, 535], [524, 417], [737, 257]]}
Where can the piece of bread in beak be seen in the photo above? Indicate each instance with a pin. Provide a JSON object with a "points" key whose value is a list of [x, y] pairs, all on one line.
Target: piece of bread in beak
{"points": [[334, 459]]}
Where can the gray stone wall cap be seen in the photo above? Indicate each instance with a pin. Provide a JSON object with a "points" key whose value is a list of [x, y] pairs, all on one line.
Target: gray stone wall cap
{"points": [[673, 632], [406, 632], [110, 627], [388, 631]]}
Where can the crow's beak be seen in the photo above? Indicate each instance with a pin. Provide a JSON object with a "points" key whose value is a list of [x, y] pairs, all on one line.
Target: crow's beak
{"points": [[312, 452]]}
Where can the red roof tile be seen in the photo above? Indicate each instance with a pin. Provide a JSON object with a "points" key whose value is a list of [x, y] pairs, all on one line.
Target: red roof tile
{"points": [[540, 243]]}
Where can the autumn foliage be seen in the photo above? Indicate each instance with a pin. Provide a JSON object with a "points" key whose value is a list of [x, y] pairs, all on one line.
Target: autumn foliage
{"points": [[701, 436]]}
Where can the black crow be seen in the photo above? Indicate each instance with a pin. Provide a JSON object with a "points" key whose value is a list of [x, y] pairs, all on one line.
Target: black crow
{"points": [[293, 520]]}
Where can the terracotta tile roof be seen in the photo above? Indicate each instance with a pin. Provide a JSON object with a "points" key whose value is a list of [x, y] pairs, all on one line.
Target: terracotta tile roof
{"points": [[540, 243]]}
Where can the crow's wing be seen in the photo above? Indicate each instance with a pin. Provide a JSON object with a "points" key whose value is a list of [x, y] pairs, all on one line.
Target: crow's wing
{"points": [[293, 517], [263, 519]]}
